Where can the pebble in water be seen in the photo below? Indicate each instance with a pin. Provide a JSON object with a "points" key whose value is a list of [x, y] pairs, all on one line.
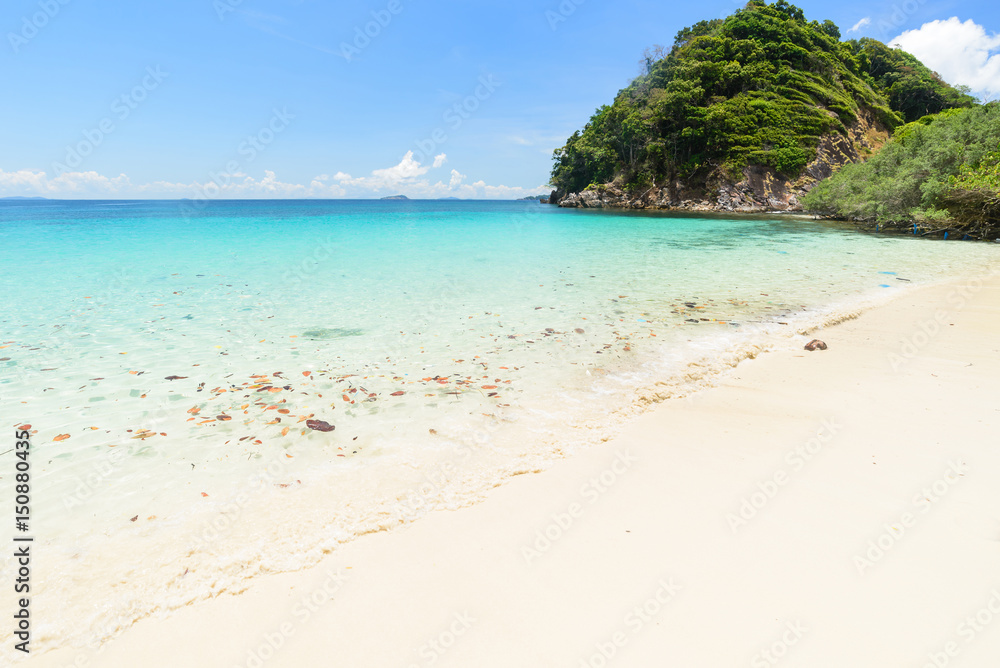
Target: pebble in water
{"points": [[320, 425]]}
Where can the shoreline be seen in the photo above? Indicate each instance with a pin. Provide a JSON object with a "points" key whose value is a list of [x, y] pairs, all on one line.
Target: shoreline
{"points": [[556, 561], [126, 552], [896, 229], [592, 201]]}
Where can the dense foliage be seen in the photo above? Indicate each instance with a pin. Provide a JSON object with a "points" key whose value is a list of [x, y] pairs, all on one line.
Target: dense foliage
{"points": [[912, 90], [759, 87], [941, 170], [974, 198]]}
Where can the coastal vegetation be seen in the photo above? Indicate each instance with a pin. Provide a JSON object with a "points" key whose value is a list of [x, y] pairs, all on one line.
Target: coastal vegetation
{"points": [[762, 87], [939, 173]]}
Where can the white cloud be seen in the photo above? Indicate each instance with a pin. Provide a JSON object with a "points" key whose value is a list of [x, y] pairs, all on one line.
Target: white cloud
{"points": [[860, 24], [407, 170], [962, 53], [37, 182], [394, 178], [236, 186], [402, 178]]}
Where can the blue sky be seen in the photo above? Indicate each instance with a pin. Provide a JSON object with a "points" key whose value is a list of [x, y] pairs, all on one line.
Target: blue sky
{"points": [[259, 98]]}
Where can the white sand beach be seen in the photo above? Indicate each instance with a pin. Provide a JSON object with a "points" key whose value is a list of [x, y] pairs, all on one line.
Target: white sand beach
{"points": [[822, 509]]}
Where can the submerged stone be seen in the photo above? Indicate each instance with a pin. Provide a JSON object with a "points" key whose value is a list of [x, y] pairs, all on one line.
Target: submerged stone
{"points": [[323, 334], [320, 425]]}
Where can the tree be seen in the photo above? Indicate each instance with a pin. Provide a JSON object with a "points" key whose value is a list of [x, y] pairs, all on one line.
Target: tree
{"points": [[791, 11], [650, 56]]}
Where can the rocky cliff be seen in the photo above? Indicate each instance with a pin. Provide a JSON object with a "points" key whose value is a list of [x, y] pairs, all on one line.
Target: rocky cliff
{"points": [[761, 189]]}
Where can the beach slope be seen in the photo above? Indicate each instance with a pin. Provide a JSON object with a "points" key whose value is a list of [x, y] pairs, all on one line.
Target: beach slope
{"points": [[830, 508]]}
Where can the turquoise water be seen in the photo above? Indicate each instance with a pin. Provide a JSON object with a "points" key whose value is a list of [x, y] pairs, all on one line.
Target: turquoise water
{"points": [[221, 391]]}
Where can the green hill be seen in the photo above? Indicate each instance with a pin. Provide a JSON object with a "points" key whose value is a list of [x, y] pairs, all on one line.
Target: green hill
{"points": [[745, 113]]}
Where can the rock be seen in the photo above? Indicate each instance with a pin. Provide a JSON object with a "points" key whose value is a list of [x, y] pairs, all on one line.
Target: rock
{"points": [[759, 188], [815, 344], [590, 199], [320, 425]]}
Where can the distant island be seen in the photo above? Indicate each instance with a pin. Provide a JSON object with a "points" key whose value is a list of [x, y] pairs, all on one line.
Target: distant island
{"points": [[535, 198], [18, 197], [395, 197]]}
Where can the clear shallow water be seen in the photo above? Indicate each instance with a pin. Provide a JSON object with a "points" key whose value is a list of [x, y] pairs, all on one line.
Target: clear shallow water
{"points": [[170, 362]]}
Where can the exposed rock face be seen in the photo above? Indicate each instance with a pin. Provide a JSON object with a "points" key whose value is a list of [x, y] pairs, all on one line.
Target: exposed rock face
{"points": [[761, 189]]}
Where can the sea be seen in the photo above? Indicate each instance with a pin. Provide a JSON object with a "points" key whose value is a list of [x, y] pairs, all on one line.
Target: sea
{"points": [[218, 390]]}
